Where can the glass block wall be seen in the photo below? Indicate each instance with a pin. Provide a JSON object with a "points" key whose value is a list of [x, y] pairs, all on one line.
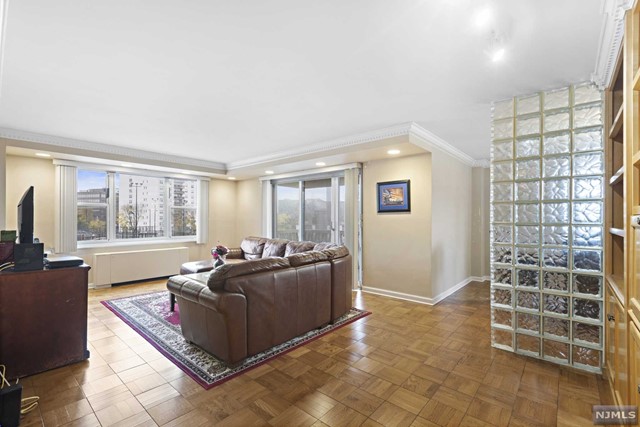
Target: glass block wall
{"points": [[547, 226]]}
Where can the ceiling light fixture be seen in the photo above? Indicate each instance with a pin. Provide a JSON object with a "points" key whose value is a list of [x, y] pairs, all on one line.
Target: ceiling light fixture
{"points": [[269, 172], [43, 155], [393, 152], [321, 164], [482, 18], [125, 165], [232, 178], [497, 55]]}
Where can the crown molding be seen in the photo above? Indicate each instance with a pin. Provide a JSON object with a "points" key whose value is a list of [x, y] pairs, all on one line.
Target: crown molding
{"points": [[611, 35], [333, 144], [111, 150], [429, 141]]}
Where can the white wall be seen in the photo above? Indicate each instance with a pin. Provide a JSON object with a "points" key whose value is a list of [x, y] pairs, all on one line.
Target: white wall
{"points": [[451, 208], [249, 208], [397, 246]]}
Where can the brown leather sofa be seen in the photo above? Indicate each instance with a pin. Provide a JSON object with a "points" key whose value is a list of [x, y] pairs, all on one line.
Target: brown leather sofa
{"points": [[242, 309]]}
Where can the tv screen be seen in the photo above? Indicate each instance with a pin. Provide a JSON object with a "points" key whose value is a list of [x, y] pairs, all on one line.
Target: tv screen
{"points": [[25, 217]]}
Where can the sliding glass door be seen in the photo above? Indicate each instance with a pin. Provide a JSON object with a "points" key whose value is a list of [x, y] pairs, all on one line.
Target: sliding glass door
{"points": [[318, 203]]}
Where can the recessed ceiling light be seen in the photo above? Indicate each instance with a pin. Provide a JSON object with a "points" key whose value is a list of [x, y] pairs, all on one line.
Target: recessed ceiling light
{"points": [[43, 155], [482, 18], [125, 165], [232, 178], [321, 164], [269, 172], [498, 54], [393, 152]]}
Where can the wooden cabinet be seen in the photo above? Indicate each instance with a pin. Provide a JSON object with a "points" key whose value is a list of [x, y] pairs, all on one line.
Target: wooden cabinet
{"points": [[43, 319], [616, 345], [634, 364]]}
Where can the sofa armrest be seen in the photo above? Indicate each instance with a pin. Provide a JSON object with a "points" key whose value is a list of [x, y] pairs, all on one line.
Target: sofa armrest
{"points": [[235, 253], [198, 292]]}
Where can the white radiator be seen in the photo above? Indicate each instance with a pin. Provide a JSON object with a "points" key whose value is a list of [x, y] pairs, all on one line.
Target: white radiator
{"points": [[119, 267]]}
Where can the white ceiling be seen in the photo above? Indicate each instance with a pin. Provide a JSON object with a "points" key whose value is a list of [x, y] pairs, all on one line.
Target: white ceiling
{"points": [[231, 81]]}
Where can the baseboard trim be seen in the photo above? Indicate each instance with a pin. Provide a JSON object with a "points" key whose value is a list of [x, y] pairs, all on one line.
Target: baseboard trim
{"points": [[94, 286], [420, 299]]}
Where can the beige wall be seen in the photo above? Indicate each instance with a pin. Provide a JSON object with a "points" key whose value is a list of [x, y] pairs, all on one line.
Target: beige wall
{"points": [[222, 214], [397, 246], [249, 208], [480, 223], [451, 227]]}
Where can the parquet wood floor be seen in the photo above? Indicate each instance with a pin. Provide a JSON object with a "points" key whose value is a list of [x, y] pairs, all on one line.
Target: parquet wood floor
{"points": [[405, 365]]}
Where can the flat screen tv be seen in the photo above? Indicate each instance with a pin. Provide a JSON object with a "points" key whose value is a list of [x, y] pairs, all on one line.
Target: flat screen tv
{"points": [[25, 217]]}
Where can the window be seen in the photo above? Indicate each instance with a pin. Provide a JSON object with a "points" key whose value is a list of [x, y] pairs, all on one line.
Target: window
{"points": [[115, 206]]}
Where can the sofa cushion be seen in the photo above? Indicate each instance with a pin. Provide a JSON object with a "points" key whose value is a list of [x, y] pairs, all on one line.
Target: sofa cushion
{"points": [[304, 258], [337, 252], [221, 274], [324, 245], [297, 247], [196, 266], [274, 247], [252, 247]]}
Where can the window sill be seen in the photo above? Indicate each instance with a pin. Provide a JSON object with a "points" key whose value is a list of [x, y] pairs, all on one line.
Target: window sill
{"points": [[137, 242]]}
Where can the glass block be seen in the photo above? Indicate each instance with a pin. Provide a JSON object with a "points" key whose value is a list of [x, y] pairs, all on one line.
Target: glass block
{"points": [[556, 327], [502, 317], [527, 213], [502, 129], [501, 254], [502, 338], [557, 166], [588, 164], [528, 322], [528, 191], [530, 300], [502, 212], [501, 275], [555, 213], [587, 284], [503, 109], [590, 115], [587, 333], [589, 309], [588, 139], [501, 296], [528, 104], [555, 258], [556, 189], [556, 121], [588, 236], [528, 344], [556, 99], [586, 356], [557, 304], [557, 144], [528, 147], [587, 212], [528, 126], [502, 150], [556, 281], [528, 169], [527, 235], [502, 171], [585, 93], [502, 192], [556, 235], [528, 278], [528, 256], [587, 188], [556, 350], [587, 260], [502, 233]]}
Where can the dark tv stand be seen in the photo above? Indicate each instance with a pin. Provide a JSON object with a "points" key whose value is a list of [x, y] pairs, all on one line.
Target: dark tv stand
{"points": [[43, 319]]}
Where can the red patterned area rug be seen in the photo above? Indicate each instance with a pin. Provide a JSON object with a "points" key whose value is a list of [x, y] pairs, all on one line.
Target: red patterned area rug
{"points": [[149, 315]]}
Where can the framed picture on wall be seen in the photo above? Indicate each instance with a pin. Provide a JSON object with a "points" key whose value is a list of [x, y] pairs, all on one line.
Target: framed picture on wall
{"points": [[394, 196]]}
